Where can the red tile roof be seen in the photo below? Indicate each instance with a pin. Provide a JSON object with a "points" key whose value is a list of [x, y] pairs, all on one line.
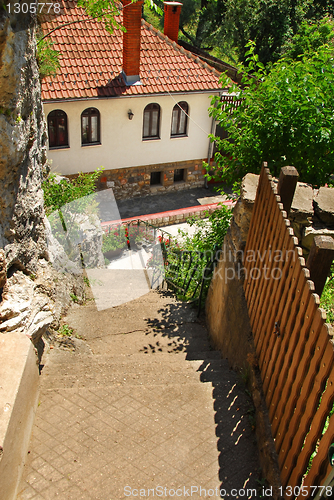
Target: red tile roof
{"points": [[91, 61]]}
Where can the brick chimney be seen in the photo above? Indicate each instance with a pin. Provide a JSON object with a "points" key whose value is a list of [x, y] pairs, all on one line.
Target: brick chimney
{"points": [[131, 40], [172, 11]]}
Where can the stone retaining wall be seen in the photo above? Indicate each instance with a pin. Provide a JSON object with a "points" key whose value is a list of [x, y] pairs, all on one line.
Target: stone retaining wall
{"points": [[135, 181]]}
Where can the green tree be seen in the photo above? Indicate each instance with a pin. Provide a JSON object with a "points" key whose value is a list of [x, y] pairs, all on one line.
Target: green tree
{"points": [[286, 117], [47, 57], [108, 10], [269, 23]]}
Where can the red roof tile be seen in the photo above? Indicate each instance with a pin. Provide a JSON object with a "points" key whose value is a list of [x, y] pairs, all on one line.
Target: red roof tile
{"points": [[94, 58]]}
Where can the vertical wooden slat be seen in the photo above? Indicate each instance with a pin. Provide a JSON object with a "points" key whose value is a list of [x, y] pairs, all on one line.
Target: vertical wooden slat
{"points": [[320, 260], [269, 383], [273, 313], [291, 361], [261, 216], [298, 449], [260, 291], [297, 371], [294, 475], [267, 250], [314, 352], [320, 466], [278, 378], [256, 226], [291, 340], [271, 310], [257, 207], [287, 183]]}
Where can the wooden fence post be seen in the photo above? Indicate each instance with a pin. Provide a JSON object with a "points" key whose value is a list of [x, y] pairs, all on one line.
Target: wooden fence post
{"points": [[286, 186], [320, 260]]}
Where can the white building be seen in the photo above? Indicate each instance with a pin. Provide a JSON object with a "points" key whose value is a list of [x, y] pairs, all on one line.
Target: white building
{"points": [[135, 103]]}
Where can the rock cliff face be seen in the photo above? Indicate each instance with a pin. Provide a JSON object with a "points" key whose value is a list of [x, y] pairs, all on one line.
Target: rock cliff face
{"points": [[22, 146], [33, 294]]}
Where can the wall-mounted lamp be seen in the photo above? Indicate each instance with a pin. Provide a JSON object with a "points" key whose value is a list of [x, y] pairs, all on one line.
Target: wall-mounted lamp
{"points": [[130, 114]]}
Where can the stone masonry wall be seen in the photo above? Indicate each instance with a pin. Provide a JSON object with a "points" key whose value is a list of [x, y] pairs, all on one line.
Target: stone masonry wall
{"points": [[135, 181]]}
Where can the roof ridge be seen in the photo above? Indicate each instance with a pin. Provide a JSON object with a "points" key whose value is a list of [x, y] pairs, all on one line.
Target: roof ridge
{"points": [[181, 49]]}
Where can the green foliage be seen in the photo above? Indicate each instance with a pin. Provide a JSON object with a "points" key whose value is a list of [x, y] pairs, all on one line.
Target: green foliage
{"points": [[225, 26], [286, 118], [75, 298], [209, 232], [269, 23], [309, 38], [114, 240], [86, 281], [59, 193], [47, 57], [327, 297], [109, 10], [188, 258], [103, 10], [65, 331]]}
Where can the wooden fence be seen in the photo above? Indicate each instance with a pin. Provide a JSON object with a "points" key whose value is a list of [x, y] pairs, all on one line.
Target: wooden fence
{"points": [[292, 341]]}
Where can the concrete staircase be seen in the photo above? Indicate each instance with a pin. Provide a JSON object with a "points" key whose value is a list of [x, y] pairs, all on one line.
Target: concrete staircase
{"points": [[142, 402]]}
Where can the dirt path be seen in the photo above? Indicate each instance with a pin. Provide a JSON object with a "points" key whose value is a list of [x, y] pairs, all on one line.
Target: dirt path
{"points": [[143, 407]]}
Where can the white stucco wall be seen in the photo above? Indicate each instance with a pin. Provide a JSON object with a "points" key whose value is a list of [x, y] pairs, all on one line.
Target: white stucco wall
{"points": [[121, 139]]}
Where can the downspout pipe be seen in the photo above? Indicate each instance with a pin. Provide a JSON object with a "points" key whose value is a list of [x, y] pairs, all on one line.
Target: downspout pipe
{"points": [[213, 129]]}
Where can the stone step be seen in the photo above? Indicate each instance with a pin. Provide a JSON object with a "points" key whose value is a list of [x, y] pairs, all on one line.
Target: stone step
{"points": [[203, 355], [182, 357], [119, 344], [146, 365], [156, 373]]}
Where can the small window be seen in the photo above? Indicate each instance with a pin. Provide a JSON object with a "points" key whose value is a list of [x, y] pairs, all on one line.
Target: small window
{"points": [[90, 126], [179, 174], [57, 129], [151, 125], [180, 119], [155, 178]]}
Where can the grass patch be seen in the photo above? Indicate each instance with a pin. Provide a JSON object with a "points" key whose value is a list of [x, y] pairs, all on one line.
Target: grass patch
{"points": [[327, 297]]}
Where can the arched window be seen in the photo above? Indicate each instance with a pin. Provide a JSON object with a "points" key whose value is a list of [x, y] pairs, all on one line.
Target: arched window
{"points": [[90, 126], [57, 129], [151, 126], [180, 119]]}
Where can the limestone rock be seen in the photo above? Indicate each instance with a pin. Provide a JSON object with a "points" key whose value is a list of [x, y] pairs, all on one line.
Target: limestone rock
{"points": [[33, 303], [22, 146], [57, 255], [3, 269], [242, 212], [302, 204], [91, 244], [324, 206], [83, 240], [311, 232], [21, 308], [248, 188]]}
